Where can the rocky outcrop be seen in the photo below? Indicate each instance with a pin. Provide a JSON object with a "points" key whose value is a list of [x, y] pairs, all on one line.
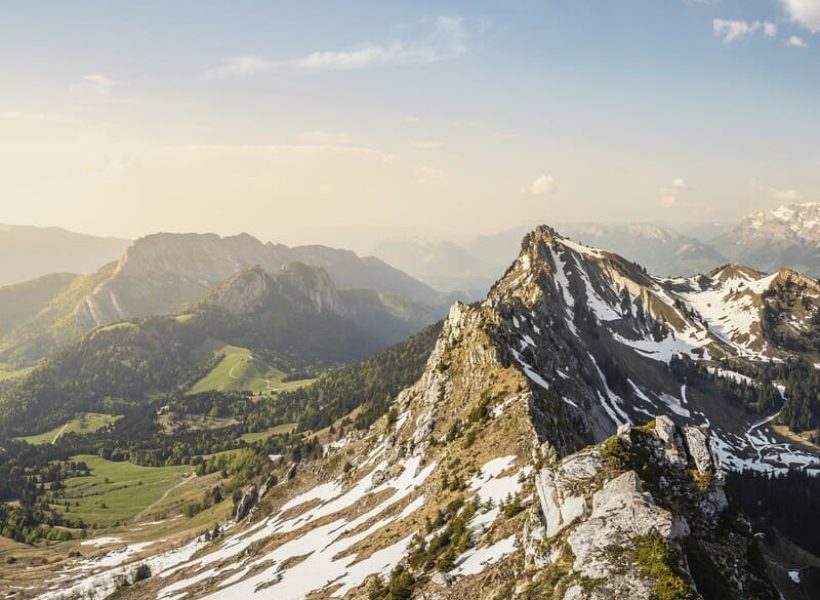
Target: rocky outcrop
{"points": [[627, 517], [308, 287], [244, 292]]}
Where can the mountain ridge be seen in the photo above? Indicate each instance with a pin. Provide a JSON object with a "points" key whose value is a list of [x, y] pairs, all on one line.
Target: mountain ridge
{"points": [[165, 273], [566, 439]]}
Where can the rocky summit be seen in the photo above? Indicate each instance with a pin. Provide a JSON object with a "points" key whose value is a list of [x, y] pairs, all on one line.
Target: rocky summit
{"points": [[568, 439]]}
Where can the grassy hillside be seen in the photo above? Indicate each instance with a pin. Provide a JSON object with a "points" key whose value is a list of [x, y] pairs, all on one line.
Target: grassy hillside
{"points": [[27, 340], [85, 423], [9, 372], [261, 435], [23, 301], [238, 370], [118, 491]]}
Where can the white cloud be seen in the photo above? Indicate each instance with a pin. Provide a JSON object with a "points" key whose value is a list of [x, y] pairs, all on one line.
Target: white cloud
{"points": [[784, 195], [239, 66], [93, 87], [732, 30], [446, 38], [543, 184], [427, 174], [426, 144], [671, 195], [325, 138], [804, 12], [796, 41]]}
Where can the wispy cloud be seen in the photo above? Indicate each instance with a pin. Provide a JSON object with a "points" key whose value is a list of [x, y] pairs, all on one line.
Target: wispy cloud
{"points": [[784, 195], [805, 13], [671, 195], [239, 66], [93, 87], [543, 184], [796, 41], [446, 38], [733, 30], [427, 174]]}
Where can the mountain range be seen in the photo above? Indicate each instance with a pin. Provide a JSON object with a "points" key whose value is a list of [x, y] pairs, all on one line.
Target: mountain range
{"points": [[31, 252], [162, 274], [570, 436], [767, 240]]}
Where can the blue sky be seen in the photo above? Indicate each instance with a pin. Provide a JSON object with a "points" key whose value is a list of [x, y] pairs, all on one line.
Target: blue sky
{"points": [[293, 120]]}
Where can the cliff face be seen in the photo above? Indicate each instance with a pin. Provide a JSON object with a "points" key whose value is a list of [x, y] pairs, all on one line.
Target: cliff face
{"points": [[643, 515], [161, 273]]}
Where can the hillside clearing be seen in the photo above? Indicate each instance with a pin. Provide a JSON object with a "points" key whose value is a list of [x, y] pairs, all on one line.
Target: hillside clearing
{"points": [[85, 423]]}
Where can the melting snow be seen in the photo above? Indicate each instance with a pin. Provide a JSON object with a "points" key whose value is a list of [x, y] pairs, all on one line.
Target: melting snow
{"points": [[476, 560]]}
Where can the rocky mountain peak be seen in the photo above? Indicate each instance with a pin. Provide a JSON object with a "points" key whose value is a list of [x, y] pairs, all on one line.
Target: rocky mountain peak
{"points": [[244, 292], [313, 283], [308, 288]]}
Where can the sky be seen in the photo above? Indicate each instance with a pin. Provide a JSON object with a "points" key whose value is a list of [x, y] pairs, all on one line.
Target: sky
{"points": [[346, 122]]}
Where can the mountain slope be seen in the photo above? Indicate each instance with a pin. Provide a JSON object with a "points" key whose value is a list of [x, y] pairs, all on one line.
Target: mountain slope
{"points": [[163, 274], [160, 273], [474, 265], [293, 320], [513, 467], [31, 252], [661, 250], [48, 323], [24, 300], [785, 236]]}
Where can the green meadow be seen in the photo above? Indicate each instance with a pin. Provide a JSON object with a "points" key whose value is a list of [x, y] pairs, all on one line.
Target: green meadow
{"points": [[119, 491], [85, 423], [240, 370]]}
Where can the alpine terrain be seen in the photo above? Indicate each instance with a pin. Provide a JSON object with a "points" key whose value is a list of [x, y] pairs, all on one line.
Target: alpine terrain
{"points": [[786, 235], [571, 436], [164, 274]]}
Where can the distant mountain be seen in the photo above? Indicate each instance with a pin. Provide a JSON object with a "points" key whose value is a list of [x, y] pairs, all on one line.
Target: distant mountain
{"points": [[473, 265], [444, 265], [162, 274], [292, 320], [785, 236], [659, 249], [29, 252]]}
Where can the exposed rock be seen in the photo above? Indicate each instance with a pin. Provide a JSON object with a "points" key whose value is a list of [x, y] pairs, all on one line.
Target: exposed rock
{"points": [[697, 443], [246, 503], [560, 504], [621, 511], [672, 443]]}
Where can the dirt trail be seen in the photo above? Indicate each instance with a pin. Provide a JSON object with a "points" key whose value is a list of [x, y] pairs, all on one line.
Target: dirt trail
{"points": [[59, 433], [185, 479]]}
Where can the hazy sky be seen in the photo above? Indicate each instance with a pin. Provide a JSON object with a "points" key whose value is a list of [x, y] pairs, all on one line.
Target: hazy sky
{"points": [[297, 120]]}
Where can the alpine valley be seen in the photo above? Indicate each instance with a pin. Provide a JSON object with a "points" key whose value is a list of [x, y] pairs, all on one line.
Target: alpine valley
{"points": [[220, 418]]}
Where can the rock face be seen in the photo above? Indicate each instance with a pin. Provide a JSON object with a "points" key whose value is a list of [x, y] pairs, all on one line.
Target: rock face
{"points": [[251, 289], [633, 519], [243, 292], [160, 273]]}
